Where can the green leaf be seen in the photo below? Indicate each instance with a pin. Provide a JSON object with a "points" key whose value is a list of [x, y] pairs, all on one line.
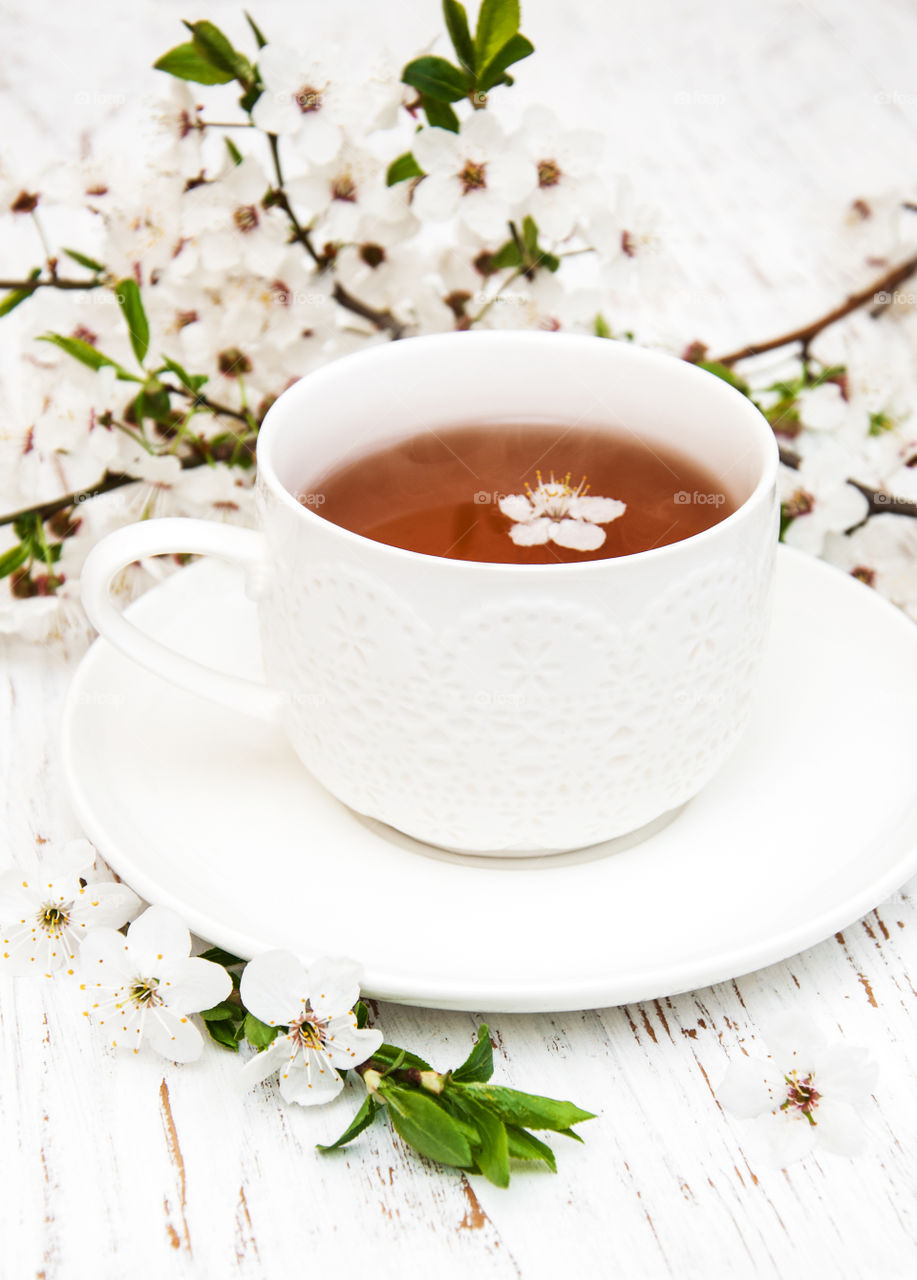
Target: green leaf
{"points": [[386, 1054], [362, 1120], [13, 559], [186, 63], [528, 1110], [402, 168], [16, 296], [194, 382], [260, 39], [437, 78], [153, 402], [398, 1062], [361, 1013], [530, 235], [880, 422], [85, 261], [225, 1033], [216, 49], [723, 371], [525, 1146], [439, 114], [491, 1153], [251, 96], [508, 255], [479, 1065], [258, 1034], [498, 22], [235, 154], [88, 355], [495, 72], [549, 261], [600, 326], [216, 954], [457, 26], [128, 294], [425, 1125], [220, 1012]]}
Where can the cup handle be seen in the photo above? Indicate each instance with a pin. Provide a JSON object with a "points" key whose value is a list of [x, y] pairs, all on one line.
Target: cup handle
{"points": [[156, 537]]}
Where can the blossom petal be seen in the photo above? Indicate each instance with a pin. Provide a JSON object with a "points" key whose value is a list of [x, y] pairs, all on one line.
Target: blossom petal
{"points": [[282, 69], [436, 149], [268, 1062], [786, 1135], [104, 903], [18, 900], [190, 985], [347, 1045], [598, 510], [24, 949], [320, 140], [579, 535], [311, 1081], [156, 936], [531, 534], [334, 985], [481, 132], [511, 177], [106, 960], [173, 1035], [76, 857], [839, 1128], [274, 987], [437, 196], [516, 506], [275, 112], [744, 1090]]}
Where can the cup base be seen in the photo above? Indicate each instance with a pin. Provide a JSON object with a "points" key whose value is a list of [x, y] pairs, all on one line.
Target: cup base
{"points": [[525, 858]]}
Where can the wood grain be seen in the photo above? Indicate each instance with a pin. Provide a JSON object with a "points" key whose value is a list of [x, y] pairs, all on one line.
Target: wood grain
{"points": [[753, 125]]}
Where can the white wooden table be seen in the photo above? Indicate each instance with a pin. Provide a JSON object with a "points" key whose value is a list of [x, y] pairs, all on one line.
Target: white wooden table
{"points": [[753, 125]]}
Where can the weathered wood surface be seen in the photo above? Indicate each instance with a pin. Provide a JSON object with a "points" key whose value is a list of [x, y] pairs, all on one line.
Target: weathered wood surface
{"points": [[753, 125]]}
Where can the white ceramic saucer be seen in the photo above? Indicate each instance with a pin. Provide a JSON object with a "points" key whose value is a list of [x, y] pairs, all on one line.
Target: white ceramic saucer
{"points": [[810, 824]]}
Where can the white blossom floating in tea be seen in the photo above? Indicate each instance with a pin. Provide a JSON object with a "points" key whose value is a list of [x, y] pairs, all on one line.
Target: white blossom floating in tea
{"points": [[556, 512]]}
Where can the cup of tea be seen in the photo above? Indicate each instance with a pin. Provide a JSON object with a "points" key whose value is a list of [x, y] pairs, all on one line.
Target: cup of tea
{"points": [[513, 587]]}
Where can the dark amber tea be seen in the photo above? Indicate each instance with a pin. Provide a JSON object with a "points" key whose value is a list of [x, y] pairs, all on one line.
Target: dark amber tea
{"points": [[518, 493]]}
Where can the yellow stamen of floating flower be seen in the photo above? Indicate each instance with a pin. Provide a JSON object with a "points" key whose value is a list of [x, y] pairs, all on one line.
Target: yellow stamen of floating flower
{"points": [[556, 495]]}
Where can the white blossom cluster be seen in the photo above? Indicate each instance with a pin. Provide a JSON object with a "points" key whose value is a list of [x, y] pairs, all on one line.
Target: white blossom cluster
{"points": [[265, 245]]}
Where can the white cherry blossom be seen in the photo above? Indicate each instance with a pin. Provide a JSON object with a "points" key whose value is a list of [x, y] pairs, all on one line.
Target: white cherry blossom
{"points": [[808, 1093], [145, 986], [816, 497], [232, 227], [556, 512], [567, 164], [46, 912], [882, 553], [300, 100], [474, 173], [320, 1034]]}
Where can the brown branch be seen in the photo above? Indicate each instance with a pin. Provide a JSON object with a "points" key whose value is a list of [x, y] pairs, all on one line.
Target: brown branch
{"points": [[886, 283], [107, 483], [880, 501], [203, 401], [30, 286], [382, 320]]}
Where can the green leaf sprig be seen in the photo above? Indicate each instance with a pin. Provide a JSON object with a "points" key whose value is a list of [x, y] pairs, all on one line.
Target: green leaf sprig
{"points": [[482, 60], [458, 1117]]}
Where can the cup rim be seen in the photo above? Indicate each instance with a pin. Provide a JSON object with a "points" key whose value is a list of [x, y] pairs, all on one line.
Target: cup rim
{"points": [[272, 427]]}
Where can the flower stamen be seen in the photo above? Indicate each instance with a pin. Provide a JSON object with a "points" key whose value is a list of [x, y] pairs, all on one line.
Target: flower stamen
{"points": [[802, 1096]]}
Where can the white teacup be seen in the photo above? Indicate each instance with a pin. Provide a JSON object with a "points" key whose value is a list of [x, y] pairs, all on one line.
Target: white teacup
{"points": [[490, 708]]}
